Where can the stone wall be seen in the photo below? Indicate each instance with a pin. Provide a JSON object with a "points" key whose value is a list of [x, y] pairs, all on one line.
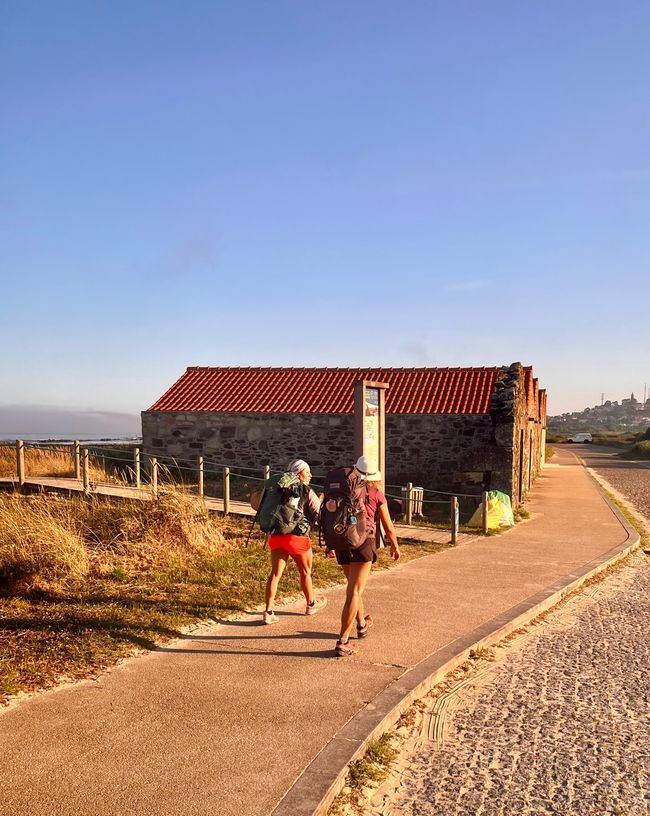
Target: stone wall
{"points": [[517, 432], [434, 450], [250, 440]]}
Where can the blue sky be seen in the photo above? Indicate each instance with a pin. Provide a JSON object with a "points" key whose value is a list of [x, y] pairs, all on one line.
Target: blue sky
{"points": [[341, 183]]}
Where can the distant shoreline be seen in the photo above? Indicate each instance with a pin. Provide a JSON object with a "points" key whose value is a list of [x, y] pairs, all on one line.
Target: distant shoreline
{"points": [[67, 439]]}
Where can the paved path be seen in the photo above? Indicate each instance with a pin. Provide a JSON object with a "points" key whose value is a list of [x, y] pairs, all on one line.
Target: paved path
{"points": [[224, 720]]}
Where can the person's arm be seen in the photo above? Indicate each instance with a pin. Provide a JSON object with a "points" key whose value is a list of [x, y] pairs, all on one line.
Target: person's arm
{"points": [[312, 506], [387, 524]]}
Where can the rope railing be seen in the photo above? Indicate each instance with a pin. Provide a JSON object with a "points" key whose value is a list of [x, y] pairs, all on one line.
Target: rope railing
{"points": [[132, 463]]}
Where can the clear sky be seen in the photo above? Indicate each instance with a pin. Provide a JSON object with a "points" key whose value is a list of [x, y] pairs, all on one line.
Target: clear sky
{"points": [[322, 183]]}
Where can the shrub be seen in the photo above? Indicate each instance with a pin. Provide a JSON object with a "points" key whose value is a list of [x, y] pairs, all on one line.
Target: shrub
{"points": [[640, 450]]}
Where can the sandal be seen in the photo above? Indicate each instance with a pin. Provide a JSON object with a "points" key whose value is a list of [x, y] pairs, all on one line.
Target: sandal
{"points": [[362, 631]]}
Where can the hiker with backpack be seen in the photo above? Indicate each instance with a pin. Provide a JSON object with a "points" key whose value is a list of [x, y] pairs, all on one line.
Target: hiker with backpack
{"points": [[288, 510], [350, 510]]}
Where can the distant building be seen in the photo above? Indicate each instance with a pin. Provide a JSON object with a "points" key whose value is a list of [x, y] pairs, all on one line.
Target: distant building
{"points": [[446, 428]]}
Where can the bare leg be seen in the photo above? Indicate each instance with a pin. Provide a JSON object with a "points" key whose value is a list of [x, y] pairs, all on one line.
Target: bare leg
{"points": [[360, 610], [357, 577], [304, 562], [279, 560]]}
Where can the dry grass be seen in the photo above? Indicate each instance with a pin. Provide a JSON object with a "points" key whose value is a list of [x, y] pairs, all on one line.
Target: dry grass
{"points": [[84, 582], [51, 542], [55, 461], [38, 539]]}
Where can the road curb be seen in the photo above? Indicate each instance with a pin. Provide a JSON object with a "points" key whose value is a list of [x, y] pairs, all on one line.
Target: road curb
{"points": [[314, 790]]}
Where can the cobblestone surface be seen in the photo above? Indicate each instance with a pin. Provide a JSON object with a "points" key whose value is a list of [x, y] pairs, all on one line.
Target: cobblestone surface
{"points": [[560, 723]]}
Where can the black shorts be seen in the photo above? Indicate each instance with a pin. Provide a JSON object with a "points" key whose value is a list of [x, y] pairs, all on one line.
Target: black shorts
{"points": [[367, 554]]}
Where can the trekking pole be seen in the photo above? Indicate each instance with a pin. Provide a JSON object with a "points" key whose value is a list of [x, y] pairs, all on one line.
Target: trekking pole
{"points": [[257, 513], [382, 539]]}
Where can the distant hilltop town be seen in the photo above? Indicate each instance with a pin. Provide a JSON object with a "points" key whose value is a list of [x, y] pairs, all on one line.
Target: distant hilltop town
{"points": [[627, 415]]}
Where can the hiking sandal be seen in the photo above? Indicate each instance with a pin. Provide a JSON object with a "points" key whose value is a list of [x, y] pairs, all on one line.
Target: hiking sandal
{"points": [[362, 631]]}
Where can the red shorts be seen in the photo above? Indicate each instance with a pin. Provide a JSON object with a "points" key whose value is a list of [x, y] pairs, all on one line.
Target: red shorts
{"points": [[293, 544]]}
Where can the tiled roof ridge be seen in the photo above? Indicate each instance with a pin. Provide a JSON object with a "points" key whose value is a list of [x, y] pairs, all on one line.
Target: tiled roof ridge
{"points": [[348, 368]]}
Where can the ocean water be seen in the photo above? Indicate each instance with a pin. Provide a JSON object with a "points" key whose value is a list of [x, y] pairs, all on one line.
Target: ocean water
{"points": [[70, 438]]}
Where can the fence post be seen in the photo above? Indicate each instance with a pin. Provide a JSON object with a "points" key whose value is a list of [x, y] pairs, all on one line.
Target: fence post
{"points": [[76, 458], [409, 503], [201, 488], [136, 466], [484, 503], [267, 472], [454, 520], [418, 501], [20, 461], [154, 477], [85, 472], [226, 490]]}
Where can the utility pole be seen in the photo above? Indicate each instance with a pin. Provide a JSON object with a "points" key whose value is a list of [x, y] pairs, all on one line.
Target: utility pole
{"points": [[602, 398]]}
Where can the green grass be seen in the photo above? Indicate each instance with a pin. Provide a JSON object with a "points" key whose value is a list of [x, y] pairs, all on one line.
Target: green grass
{"points": [[370, 770], [373, 766]]}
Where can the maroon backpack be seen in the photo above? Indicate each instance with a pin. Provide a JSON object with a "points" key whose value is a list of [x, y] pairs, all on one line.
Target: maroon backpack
{"points": [[343, 522]]}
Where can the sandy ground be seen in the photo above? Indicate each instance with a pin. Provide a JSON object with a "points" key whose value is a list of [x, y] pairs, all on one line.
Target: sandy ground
{"points": [[557, 721]]}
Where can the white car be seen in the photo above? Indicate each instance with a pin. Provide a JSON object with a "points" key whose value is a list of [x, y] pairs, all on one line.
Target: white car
{"points": [[581, 437]]}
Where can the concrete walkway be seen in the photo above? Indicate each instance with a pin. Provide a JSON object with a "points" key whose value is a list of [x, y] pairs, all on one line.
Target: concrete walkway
{"points": [[223, 721]]}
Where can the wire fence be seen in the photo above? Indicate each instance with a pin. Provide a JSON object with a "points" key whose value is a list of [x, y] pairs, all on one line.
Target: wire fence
{"points": [[128, 466]]}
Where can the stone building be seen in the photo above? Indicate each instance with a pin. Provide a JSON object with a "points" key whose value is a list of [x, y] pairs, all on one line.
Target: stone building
{"points": [[446, 428]]}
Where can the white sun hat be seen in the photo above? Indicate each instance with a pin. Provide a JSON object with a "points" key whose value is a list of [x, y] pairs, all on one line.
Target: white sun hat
{"points": [[366, 466]]}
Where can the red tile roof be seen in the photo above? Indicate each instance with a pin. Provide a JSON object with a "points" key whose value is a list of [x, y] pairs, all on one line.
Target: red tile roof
{"points": [[329, 390]]}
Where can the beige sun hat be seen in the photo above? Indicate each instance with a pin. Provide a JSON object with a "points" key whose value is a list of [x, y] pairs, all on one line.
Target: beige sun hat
{"points": [[367, 467]]}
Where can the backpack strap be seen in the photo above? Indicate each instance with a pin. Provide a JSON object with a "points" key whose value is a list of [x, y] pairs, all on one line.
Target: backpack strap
{"points": [[320, 524]]}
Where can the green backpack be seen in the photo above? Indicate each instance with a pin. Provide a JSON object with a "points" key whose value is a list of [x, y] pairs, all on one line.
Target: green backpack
{"points": [[278, 513]]}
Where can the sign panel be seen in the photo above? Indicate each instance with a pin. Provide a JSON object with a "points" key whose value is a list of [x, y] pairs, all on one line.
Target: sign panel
{"points": [[371, 430]]}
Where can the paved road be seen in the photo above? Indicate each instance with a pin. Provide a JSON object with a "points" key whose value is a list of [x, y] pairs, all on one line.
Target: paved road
{"points": [[561, 723], [632, 479]]}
